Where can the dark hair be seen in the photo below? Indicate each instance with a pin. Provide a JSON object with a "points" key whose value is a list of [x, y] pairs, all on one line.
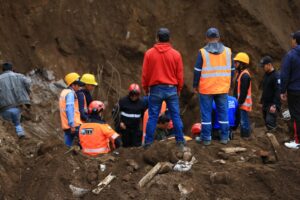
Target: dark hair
{"points": [[7, 66], [163, 119]]}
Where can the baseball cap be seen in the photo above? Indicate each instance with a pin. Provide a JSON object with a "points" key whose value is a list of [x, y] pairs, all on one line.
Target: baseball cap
{"points": [[265, 60], [212, 33], [163, 34]]}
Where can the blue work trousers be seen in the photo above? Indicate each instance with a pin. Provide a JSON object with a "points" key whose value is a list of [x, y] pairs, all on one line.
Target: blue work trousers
{"points": [[158, 94], [221, 101]]}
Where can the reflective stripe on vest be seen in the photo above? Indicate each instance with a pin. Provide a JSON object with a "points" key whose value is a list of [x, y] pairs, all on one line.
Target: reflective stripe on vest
{"points": [[130, 115], [96, 150], [62, 109], [216, 72], [94, 138], [247, 105]]}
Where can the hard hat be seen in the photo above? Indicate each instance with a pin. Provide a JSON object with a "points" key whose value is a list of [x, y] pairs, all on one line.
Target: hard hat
{"points": [[96, 107], [196, 129], [89, 79], [242, 57], [134, 89], [71, 78]]}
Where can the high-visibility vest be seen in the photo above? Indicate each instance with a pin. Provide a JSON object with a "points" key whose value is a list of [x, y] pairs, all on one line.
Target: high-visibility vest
{"points": [[216, 72], [94, 138], [62, 109], [247, 105]]}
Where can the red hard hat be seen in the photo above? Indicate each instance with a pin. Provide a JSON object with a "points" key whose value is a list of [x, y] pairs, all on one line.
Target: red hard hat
{"points": [[134, 88], [96, 107], [196, 129]]}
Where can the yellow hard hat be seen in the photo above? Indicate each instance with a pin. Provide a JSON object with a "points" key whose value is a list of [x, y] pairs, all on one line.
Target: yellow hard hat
{"points": [[242, 57], [89, 79], [71, 77]]}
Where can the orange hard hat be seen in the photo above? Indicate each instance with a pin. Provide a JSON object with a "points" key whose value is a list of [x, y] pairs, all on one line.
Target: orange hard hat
{"points": [[96, 107], [196, 129]]}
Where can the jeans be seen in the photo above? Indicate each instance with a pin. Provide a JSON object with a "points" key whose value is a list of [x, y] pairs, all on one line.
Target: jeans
{"points": [[158, 94], [14, 115], [69, 137], [221, 101], [245, 124]]}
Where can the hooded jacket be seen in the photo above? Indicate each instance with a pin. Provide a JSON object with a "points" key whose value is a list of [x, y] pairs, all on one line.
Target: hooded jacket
{"points": [[214, 48], [162, 65], [14, 90], [290, 71]]}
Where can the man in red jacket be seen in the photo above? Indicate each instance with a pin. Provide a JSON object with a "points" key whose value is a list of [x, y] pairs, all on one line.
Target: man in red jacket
{"points": [[162, 80]]}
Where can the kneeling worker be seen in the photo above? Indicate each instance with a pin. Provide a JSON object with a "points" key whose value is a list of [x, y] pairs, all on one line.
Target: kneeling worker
{"points": [[95, 135]]}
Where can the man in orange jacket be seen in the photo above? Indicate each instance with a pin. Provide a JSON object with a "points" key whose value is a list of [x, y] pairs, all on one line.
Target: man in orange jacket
{"points": [[162, 79], [69, 108], [212, 77], [95, 135]]}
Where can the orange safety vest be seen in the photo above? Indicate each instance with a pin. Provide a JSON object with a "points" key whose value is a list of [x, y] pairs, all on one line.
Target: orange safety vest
{"points": [[216, 72], [94, 138], [62, 109], [247, 105]]}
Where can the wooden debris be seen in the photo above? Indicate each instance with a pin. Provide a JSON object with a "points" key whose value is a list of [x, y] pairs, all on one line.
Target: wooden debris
{"points": [[103, 183], [276, 146], [231, 150], [150, 175]]}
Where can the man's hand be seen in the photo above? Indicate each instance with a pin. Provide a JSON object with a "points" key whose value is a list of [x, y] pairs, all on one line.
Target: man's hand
{"points": [[73, 129], [196, 91], [122, 126], [283, 97], [273, 109]]}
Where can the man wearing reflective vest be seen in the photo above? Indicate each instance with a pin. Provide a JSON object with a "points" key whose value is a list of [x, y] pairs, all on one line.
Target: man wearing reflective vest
{"points": [[84, 95], [242, 92], [96, 135], [69, 108], [212, 77], [128, 115]]}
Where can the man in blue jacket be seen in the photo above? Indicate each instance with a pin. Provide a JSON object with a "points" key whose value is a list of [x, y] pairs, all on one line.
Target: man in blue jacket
{"points": [[290, 86]]}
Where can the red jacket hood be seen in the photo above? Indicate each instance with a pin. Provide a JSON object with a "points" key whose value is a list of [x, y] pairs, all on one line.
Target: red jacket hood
{"points": [[162, 47]]}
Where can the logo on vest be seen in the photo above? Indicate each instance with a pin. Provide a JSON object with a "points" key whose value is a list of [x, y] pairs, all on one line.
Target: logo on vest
{"points": [[87, 131]]}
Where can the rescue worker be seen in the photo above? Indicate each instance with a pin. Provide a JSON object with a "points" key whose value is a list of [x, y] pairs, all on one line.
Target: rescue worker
{"points": [[242, 92], [128, 117], [162, 129], [162, 79], [212, 77], [84, 95], [233, 117], [69, 108], [96, 135], [290, 86], [270, 98], [14, 92]]}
